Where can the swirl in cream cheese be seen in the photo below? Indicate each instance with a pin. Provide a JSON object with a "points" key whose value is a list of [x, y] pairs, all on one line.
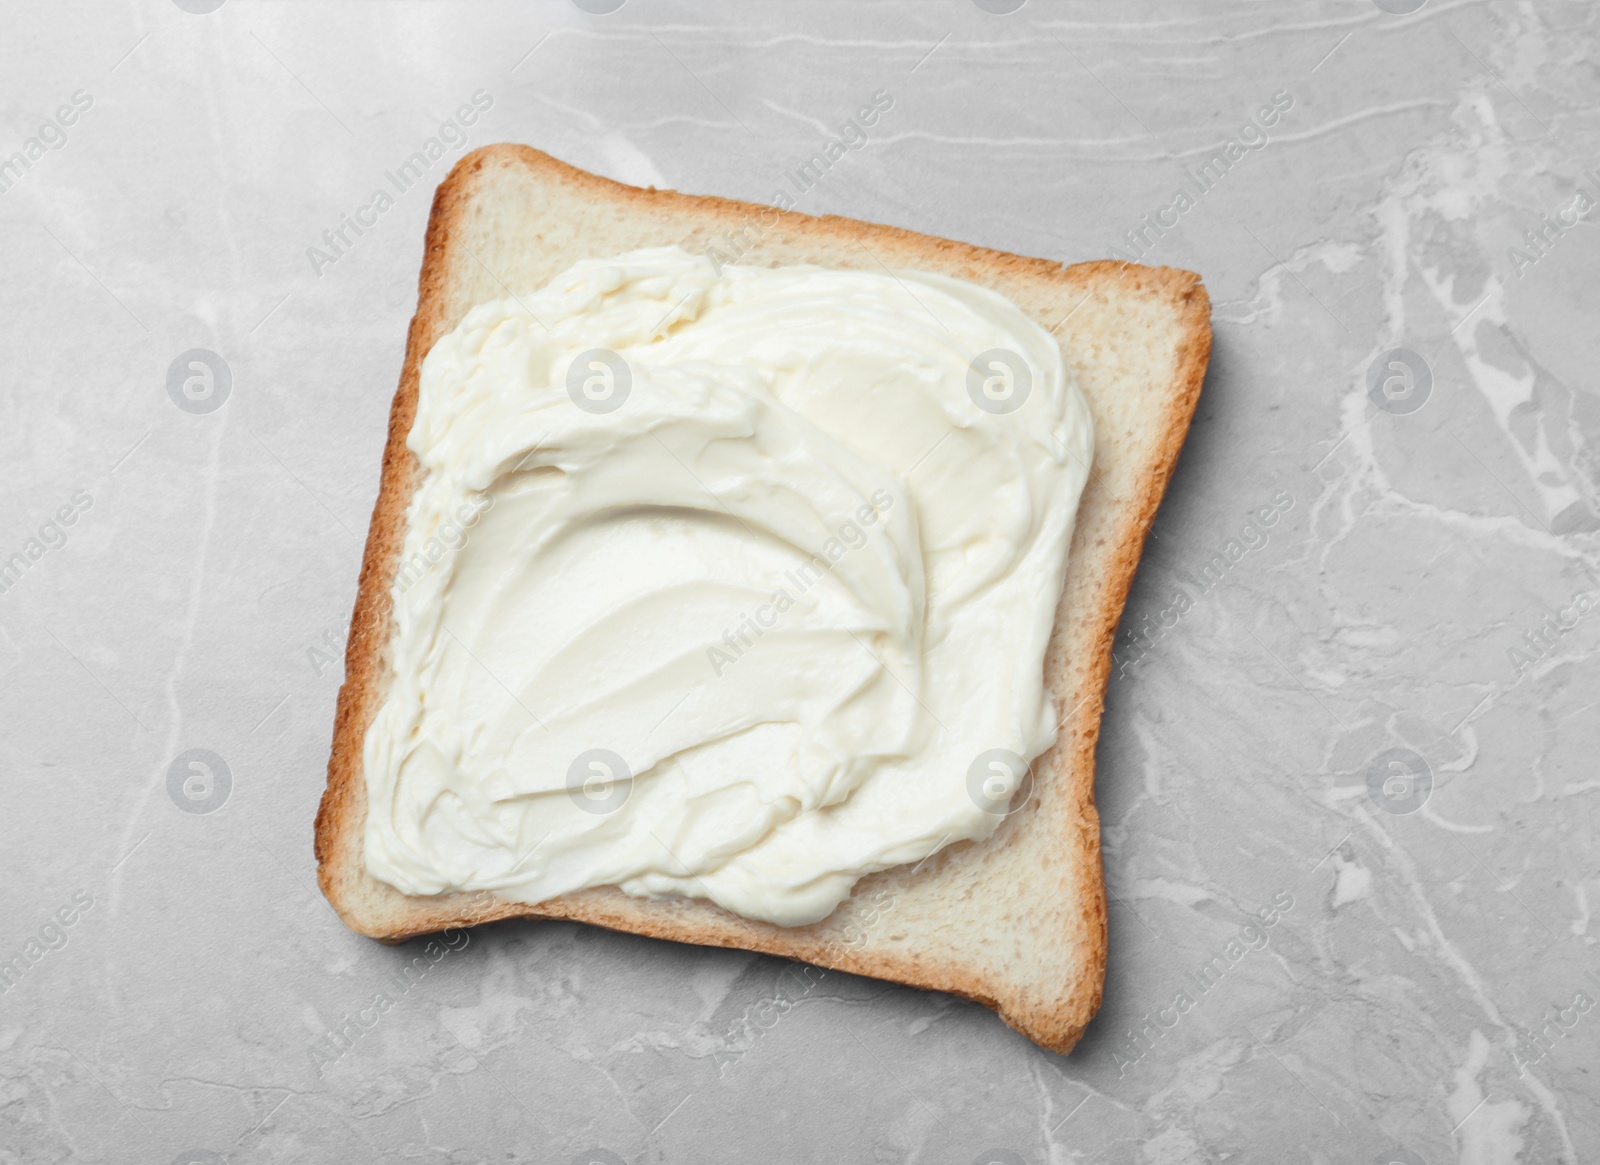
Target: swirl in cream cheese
{"points": [[783, 554]]}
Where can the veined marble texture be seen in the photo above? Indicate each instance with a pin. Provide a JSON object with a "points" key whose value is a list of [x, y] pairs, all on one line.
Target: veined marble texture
{"points": [[1348, 776]]}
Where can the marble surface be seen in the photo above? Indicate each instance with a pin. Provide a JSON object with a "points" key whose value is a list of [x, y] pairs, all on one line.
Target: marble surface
{"points": [[1356, 681]]}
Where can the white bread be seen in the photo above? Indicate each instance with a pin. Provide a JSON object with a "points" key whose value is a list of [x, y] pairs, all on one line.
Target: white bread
{"points": [[1016, 922]]}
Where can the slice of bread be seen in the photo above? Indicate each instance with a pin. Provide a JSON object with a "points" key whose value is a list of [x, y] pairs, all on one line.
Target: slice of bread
{"points": [[1016, 922]]}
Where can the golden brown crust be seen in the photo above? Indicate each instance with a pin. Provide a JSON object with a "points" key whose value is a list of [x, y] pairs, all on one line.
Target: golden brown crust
{"points": [[1078, 663]]}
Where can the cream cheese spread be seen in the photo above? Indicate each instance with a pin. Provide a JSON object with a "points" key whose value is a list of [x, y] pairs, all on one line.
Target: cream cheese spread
{"points": [[722, 582]]}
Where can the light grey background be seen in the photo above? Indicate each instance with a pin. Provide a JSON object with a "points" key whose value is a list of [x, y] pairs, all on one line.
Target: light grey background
{"points": [[1392, 1005]]}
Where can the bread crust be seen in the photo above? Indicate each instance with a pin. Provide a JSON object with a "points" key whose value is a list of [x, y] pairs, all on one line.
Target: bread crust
{"points": [[1078, 662]]}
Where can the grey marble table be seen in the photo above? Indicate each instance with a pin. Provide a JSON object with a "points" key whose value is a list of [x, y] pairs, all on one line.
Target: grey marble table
{"points": [[1355, 685]]}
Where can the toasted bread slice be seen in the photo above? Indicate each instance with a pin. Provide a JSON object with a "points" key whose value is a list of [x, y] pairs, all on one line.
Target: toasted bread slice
{"points": [[1016, 922]]}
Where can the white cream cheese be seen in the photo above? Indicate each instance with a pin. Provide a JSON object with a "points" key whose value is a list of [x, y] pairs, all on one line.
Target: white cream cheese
{"points": [[774, 552]]}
